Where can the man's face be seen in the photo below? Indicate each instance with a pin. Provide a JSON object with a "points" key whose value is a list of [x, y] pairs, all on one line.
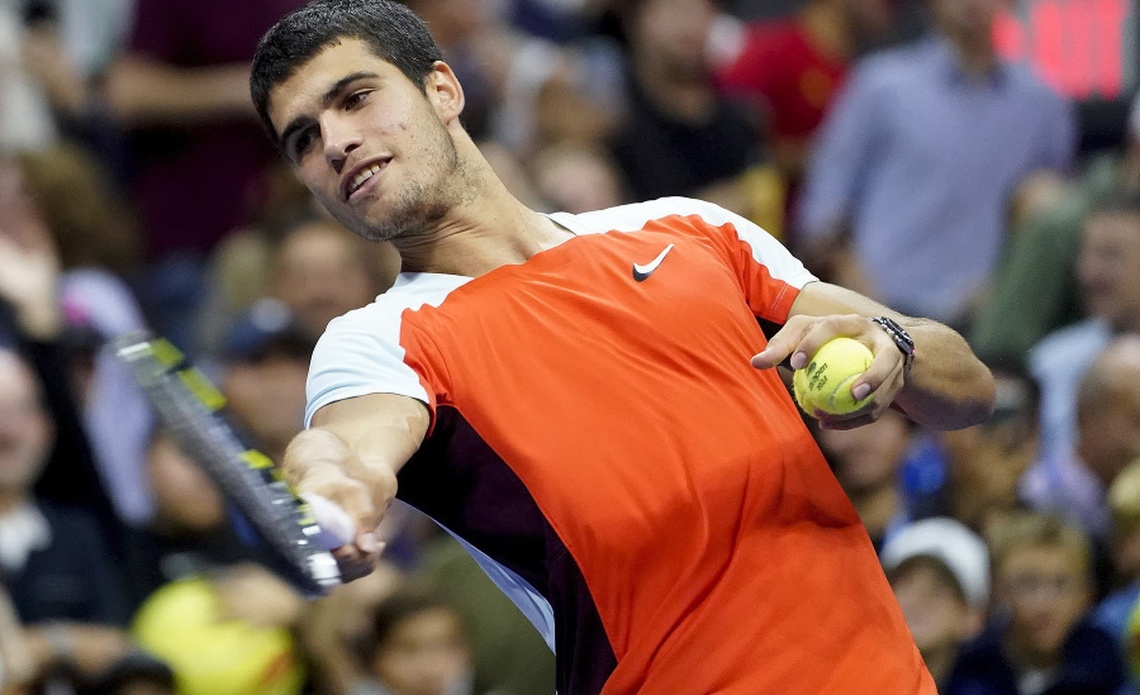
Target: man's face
{"points": [[268, 397], [25, 431], [321, 273], [372, 146], [867, 458], [1108, 439], [1109, 267], [674, 32], [968, 20], [1047, 592]]}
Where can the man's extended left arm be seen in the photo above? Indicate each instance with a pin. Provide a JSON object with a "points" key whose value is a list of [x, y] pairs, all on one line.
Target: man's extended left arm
{"points": [[947, 386]]}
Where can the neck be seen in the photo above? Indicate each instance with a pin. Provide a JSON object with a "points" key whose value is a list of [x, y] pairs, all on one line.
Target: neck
{"points": [[976, 55], [11, 500], [876, 507], [826, 31], [1024, 657], [484, 232]]}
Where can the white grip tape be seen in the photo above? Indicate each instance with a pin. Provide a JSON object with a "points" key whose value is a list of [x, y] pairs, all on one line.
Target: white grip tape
{"points": [[337, 527]]}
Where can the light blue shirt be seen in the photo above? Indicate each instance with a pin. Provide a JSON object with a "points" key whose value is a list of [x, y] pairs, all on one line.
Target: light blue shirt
{"points": [[921, 159]]}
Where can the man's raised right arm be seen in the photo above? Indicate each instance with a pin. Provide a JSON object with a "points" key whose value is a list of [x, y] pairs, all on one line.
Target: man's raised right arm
{"points": [[351, 454]]}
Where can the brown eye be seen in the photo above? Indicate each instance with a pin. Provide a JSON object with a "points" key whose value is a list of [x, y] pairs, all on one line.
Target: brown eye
{"points": [[356, 99]]}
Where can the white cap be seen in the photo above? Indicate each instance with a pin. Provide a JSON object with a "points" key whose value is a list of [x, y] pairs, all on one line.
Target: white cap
{"points": [[961, 550]]}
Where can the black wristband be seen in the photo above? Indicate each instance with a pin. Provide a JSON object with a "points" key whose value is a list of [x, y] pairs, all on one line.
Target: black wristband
{"points": [[902, 340]]}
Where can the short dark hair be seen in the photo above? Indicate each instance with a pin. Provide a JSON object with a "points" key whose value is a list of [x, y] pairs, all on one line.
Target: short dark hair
{"points": [[391, 30], [406, 602]]}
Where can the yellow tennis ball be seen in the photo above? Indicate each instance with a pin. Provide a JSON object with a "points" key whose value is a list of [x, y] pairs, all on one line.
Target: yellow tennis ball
{"points": [[825, 382], [181, 624]]}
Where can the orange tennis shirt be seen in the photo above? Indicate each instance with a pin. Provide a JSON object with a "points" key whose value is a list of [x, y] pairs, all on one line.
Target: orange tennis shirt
{"points": [[603, 447]]}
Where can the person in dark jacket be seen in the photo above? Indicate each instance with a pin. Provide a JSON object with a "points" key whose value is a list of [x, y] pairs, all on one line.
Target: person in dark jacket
{"points": [[1040, 642]]}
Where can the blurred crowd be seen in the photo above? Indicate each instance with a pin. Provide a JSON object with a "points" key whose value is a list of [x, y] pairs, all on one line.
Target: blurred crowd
{"points": [[973, 161]]}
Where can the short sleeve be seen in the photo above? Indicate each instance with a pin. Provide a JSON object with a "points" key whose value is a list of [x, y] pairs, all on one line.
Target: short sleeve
{"points": [[770, 276], [360, 354]]}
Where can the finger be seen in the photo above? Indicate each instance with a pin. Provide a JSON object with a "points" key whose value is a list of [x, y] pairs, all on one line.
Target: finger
{"points": [[823, 331], [884, 370], [782, 344], [355, 563]]}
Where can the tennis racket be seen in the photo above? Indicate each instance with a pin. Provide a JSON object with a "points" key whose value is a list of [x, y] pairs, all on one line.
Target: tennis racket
{"points": [[191, 408]]}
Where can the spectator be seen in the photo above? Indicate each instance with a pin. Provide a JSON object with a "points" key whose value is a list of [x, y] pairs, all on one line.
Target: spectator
{"points": [[32, 321], [64, 583], [679, 136], [332, 628], [940, 573], [1072, 475], [92, 228], [320, 272], [792, 68], [510, 656], [417, 644], [182, 89], [1108, 266], [909, 183], [26, 120], [1036, 288], [1114, 613], [1040, 641], [867, 460], [985, 463], [576, 178]]}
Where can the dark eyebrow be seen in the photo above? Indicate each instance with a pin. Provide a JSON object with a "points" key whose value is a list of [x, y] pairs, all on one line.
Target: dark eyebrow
{"points": [[329, 97]]}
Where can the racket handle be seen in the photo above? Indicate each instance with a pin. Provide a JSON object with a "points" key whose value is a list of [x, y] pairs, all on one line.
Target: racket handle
{"points": [[337, 527]]}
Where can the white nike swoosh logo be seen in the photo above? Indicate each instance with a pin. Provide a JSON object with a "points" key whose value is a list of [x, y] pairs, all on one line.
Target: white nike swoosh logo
{"points": [[641, 272]]}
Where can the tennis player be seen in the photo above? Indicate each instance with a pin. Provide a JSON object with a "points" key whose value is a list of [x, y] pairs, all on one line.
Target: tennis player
{"points": [[588, 402]]}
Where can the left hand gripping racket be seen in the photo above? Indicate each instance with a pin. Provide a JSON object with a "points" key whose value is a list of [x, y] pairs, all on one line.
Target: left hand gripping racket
{"points": [[189, 406]]}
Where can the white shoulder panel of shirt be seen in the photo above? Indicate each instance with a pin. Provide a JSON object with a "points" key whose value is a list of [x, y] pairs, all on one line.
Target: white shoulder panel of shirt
{"points": [[766, 249]]}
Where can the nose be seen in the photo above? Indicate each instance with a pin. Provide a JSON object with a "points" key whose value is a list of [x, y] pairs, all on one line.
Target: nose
{"points": [[340, 139]]}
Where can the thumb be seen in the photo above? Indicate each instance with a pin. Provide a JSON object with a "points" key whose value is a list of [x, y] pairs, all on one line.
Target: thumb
{"points": [[781, 345]]}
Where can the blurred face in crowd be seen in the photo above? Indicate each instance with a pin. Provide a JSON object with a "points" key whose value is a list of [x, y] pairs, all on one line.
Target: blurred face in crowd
{"points": [[25, 430], [576, 179], [186, 500], [672, 34], [1109, 268], [867, 458], [267, 397], [967, 21], [870, 20], [1108, 413], [934, 607], [320, 272], [1047, 590], [373, 147], [988, 460], [426, 653]]}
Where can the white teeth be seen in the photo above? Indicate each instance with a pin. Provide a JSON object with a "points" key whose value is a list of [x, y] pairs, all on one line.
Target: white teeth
{"points": [[359, 179]]}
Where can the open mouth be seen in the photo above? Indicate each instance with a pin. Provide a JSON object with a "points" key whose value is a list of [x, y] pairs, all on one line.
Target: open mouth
{"points": [[362, 177]]}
